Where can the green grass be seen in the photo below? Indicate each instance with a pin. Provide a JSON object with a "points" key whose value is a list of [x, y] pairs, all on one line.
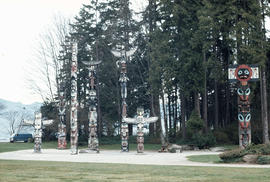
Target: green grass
{"points": [[41, 171], [205, 158], [8, 147], [229, 147]]}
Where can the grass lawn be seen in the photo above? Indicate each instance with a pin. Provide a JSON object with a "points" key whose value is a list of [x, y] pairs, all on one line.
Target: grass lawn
{"points": [[8, 147], [41, 171], [65, 171], [205, 158]]}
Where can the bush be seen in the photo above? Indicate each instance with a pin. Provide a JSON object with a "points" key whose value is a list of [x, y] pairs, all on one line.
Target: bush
{"points": [[233, 155], [195, 135], [264, 159], [203, 141], [195, 123], [261, 149], [237, 154]]}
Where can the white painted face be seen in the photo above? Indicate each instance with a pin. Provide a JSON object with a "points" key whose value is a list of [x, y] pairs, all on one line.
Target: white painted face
{"points": [[38, 121], [140, 126], [140, 111], [38, 124]]}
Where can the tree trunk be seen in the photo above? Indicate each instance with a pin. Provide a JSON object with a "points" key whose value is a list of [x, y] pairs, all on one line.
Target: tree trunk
{"points": [[170, 115], [183, 115], [216, 105], [165, 117], [175, 113], [151, 125], [228, 95], [205, 96], [158, 127], [264, 107], [197, 103]]}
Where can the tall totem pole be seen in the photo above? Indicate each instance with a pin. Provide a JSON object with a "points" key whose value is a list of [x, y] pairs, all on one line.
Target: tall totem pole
{"points": [[123, 83], [93, 143], [140, 121], [243, 74], [62, 143], [74, 103]]}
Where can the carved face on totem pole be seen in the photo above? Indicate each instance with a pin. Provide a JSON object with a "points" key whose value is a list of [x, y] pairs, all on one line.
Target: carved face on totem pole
{"points": [[140, 111], [123, 67], [92, 96], [73, 67], [244, 119], [38, 125], [243, 93], [243, 73], [124, 135]]}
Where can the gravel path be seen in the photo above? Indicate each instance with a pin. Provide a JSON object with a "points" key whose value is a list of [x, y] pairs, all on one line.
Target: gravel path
{"points": [[113, 156]]}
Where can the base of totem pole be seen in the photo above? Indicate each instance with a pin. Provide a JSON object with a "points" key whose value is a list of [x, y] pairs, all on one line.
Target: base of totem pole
{"points": [[61, 148], [124, 151], [140, 153], [37, 152], [88, 151]]}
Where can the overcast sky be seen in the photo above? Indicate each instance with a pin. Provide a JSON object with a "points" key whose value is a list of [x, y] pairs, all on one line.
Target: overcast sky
{"points": [[22, 21]]}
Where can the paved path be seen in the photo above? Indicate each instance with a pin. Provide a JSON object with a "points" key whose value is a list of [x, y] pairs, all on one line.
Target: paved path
{"points": [[113, 156]]}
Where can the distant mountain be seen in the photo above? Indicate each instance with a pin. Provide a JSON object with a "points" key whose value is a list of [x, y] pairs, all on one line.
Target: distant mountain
{"points": [[20, 111]]}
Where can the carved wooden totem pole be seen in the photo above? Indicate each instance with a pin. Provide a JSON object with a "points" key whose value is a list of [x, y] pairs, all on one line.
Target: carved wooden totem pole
{"points": [[140, 121], [93, 143], [62, 143], [243, 74], [74, 103], [38, 125], [123, 83]]}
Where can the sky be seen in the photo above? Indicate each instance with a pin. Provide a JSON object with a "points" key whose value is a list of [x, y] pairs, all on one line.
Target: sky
{"points": [[22, 22]]}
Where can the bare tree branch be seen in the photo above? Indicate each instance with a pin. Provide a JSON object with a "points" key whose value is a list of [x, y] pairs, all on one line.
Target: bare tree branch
{"points": [[44, 71]]}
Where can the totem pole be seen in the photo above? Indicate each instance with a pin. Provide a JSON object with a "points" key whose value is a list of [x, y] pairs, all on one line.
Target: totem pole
{"points": [[243, 74], [92, 104], [140, 121], [38, 125], [123, 83], [74, 103], [62, 143]]}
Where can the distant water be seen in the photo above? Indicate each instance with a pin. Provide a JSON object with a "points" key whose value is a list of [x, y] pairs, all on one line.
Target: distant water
{"points": [[4, 140]]}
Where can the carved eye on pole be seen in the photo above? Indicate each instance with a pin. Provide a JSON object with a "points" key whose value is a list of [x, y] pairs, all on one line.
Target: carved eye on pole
{"points": [[240, 91], [247, 92], [241, 117], [240, 72], [248, 117]]}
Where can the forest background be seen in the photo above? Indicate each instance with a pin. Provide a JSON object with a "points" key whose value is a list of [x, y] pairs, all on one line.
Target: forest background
{"points": [[179, 71]]}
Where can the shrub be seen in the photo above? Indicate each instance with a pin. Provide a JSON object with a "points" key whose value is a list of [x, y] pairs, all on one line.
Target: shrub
{"points": [[233, 155], [195, 123], [237, 154], [264, 159], [203, 141], [261, 149], [195, 135]]}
